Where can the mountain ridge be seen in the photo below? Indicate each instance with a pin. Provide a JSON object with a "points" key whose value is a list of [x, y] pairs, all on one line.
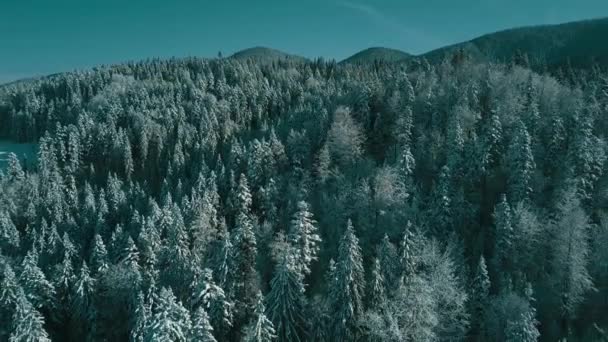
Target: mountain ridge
{"points": [[263, 53], [578, 44]]}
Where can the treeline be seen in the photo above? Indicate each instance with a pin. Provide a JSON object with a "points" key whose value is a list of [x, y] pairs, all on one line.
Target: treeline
{"points": [[232, 200]]}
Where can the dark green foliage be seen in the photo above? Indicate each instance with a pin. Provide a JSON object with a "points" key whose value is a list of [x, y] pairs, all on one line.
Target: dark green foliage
{"points": [[191, 186]]}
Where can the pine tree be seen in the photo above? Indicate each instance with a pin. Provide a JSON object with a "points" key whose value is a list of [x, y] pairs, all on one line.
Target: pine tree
{"points": [[347, 289], [407, 260], [212, 298], [99, 255], [221, 251], [389, 263], [304, 236], [417, 312], [407, 165], [586, 157], [201, 328], [82, 303], [286, 301], [9, 287], [480, 291], [570, 255], [28, 323], [556, 149], [492, 138], [441, 213], [38, 290], [455, 145], [504, 241], [140, 320], [9, 235], [524, 329], [377, 288], [14, 170], [171, 321], [520, 164], [261, 328], [244, 274]]}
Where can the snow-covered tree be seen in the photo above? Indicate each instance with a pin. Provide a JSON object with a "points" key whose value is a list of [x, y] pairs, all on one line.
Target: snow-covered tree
{"points": [[38, 290], [520, 164], [212, 298], [377, 288], [345, 139], [303, 235], [243, 271], [170, 321], [347, 289], [480, 292], [261, 328], [570, 255], [286, 301], [28, 323], [201, 328], [504, 236]]}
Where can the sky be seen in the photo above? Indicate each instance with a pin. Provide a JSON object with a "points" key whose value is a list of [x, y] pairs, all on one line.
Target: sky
{"points": [[40, 37]]}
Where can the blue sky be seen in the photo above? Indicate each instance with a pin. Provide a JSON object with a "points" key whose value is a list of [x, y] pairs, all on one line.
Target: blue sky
{"points": [[39, 37]]}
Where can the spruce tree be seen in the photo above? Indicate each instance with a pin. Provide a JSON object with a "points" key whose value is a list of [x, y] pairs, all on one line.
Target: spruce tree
{"points": [[520, 164], [286, 301], [244, 284], [212, 298], [504, 242], [201, 328], [170, 321], [304, 236], [28, 323], [9, 235], [347, 289], [261, 328], [377, 288], [389, 263], [37, 289], [480, 291]]}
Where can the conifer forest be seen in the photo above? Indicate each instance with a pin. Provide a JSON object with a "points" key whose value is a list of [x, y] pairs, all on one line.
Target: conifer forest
{"points": [[242, 199]]}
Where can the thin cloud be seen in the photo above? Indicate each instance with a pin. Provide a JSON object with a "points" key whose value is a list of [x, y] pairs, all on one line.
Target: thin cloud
{"points": [[381, 19]]}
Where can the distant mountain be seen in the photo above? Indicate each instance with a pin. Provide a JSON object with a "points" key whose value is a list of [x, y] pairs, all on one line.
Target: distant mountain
{"points": [[377, 54], [264, 54], [579, 43]]}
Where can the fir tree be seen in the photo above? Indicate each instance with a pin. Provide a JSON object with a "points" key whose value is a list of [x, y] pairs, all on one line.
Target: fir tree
{"points": [[9, 235], [201, 328], [389, 263], [99, 255], [261, 328], [170, 321], [407, 260], [304, 236], [480, 291], [140, 320], [28, 323], [520, 164], [212, 298], [504, 237], [244, 274], [347, 289], [37, 289], [377, 288], [286, 301]]}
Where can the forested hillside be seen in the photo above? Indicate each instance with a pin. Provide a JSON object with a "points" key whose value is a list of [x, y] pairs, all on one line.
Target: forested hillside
{"points": [[229, 200], [547, 47]]}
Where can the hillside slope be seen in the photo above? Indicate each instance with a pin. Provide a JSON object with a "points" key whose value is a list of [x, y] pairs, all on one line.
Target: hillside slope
{"points": [[579, 43], [377, 54], [264, 54]]}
